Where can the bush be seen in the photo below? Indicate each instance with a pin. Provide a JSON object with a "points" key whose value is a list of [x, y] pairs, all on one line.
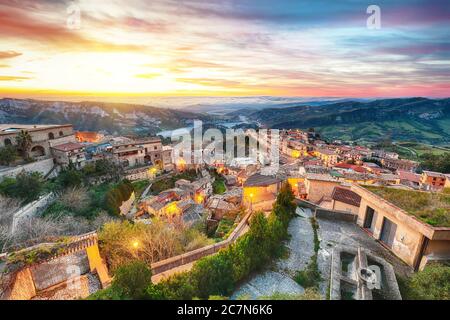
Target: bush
{"points": [[117, 195], [70, 177], [132, 280], [176, 287], [310, 277], [75, 199], [27, 186], [433, 283], [219, 186], [8, 154]]}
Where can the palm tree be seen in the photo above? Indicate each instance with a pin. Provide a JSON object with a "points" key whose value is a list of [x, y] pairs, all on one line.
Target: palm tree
{"points": [[24, 141]]}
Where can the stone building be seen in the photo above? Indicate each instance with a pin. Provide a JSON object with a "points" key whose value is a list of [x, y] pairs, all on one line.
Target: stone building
{"points": [[412, 239], [433, 181], [43, 137], [319, 185], [62, 270], [69, 153], [133, 153], [260, 191]]}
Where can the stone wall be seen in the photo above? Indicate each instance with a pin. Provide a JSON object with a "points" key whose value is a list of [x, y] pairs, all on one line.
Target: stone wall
{"points": [[335, 215], [317, 189], [31, 210], [42, 166]]}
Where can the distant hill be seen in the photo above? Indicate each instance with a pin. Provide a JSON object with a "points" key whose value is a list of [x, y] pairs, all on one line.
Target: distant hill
{"points": [[412, 119], [96, 116]]}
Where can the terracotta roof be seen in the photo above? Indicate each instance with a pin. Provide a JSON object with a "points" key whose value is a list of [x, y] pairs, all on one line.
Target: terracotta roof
{"points": [[261, 180], [409, 176], [69, 146], [346, 196], [434, 174], [350, 166]]}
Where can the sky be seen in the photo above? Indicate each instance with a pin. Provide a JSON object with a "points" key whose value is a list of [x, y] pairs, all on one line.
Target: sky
{"points": [[135, 48]]}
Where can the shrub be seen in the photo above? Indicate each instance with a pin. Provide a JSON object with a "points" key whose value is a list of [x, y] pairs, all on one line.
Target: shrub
{"points": [[117, 195], [176, 287], [27, 186], [8, 154], [70, 177], [132, 280], [211, 275], [433, 283], [75, 199]]}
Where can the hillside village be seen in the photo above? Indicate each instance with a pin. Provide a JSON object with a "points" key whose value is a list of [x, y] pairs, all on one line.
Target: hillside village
{"points": [[94, 203]]}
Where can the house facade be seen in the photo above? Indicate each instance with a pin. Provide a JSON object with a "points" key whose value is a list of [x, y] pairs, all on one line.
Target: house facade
{"points": [[412, 240]]}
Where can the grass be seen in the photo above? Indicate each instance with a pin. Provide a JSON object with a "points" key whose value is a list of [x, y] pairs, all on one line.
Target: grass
{"points": [[219, 186], [225, 227], [431, 208], [432, 283], [139, 187]]}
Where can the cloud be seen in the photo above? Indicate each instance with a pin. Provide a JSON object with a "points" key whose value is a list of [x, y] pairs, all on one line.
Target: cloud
{"points": [[147, 75], [13, 78], [210, 82], [17, 24], [9, 54]]}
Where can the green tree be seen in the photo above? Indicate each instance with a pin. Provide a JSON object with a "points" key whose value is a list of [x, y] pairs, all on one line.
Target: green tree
{"points": [[28, 186], [70, 177], [7, 155], [211, 275], [132, 280], [176, 287], [24, 141]]}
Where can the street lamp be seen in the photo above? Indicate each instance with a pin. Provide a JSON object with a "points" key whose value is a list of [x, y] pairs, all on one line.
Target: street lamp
{"points": [[135, 244]]}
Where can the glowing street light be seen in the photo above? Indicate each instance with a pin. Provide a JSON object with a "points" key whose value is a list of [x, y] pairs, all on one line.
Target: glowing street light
{"points": [[135, 244]]}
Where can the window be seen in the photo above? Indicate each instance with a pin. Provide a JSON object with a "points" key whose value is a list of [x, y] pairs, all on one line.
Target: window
{"points": [[61, 133], [51, 136], [156, 147], [7, 142]]}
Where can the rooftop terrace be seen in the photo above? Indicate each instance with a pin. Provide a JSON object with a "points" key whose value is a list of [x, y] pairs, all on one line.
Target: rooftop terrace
{"points": [[431, 208]]}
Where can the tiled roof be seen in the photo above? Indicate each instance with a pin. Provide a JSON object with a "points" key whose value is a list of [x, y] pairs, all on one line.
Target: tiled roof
{"points": [[69, 146], [409, 176], [346, 196], [434, 174], [261, 180]]}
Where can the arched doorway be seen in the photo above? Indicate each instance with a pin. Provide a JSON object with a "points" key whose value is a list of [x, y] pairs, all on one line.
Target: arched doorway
{"points": [[37, 151]]}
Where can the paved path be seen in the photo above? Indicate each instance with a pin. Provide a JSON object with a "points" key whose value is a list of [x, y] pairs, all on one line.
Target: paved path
{"points": [[301, 248]]}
